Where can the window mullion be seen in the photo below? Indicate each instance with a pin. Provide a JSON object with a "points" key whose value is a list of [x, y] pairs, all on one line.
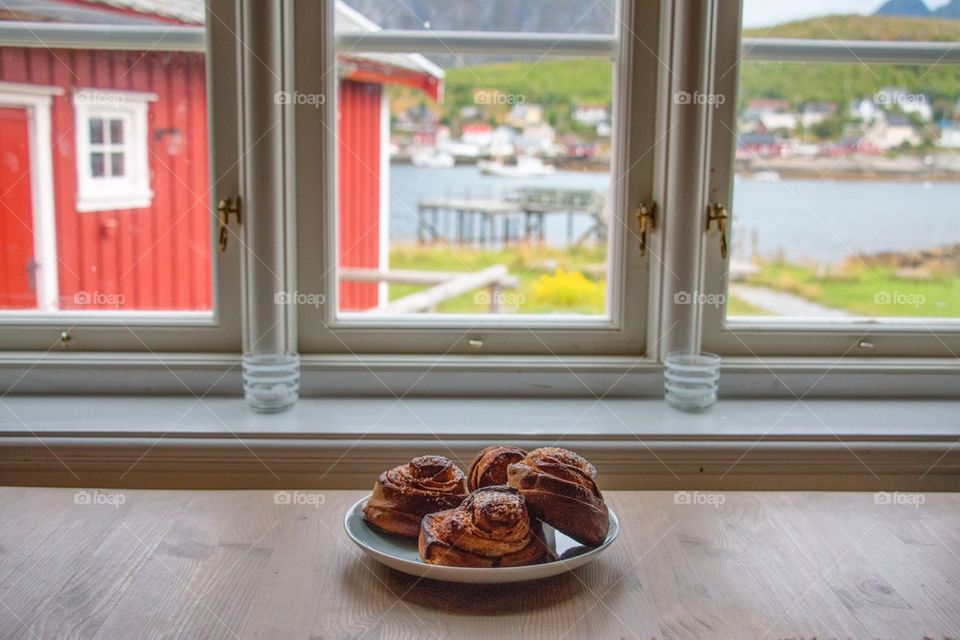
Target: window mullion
{"points": [[267, 228], [684, 202]]}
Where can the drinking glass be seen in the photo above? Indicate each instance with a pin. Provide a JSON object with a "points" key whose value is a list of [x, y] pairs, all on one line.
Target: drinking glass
{"points": [[691, 380], [271, 381]]}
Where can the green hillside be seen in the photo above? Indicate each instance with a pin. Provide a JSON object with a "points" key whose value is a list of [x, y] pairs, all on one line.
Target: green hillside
{"points": [[556, 84], [840, 83], [863, 28], [559, 84]]}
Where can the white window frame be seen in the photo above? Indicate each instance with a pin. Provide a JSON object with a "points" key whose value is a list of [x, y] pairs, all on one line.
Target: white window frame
{"points": [[631, 324], [365, 360], [124, 342], [107, 193], [843, 339]]}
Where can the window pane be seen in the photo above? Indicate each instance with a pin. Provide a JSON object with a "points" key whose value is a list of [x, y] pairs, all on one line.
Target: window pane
{"points": [[551, 16], [96, 165], [848, 174], [491, 195], [125, 223], [96, 131], [116, 165], [116, 132]]}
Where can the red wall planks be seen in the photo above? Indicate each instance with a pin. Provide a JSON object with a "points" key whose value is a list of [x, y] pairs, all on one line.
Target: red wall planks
{"points": [[155, 258], [158, 258], [358, 210]]}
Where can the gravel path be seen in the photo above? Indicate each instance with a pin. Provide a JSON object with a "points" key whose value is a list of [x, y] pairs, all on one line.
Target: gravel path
{"points": [[783, 304]]}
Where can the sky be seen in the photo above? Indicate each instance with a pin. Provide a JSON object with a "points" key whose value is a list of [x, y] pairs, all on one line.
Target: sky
{"points": [[763, 13]]}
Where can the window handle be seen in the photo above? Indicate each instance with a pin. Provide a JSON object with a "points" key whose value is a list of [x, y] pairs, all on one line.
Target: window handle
{"points": [[225, 207], [647, 221], [716, 212]]}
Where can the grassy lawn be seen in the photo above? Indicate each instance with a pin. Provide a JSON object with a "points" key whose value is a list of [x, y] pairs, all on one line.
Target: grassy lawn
{"points": [[551, 280], [561, 281], [863, 291]]}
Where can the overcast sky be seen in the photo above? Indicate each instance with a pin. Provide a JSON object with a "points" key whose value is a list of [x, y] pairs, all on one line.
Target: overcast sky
{"points": [[763, 13]]}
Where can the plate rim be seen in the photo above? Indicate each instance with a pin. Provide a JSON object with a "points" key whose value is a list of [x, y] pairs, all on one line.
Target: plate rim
{"points": [[582, 558]]}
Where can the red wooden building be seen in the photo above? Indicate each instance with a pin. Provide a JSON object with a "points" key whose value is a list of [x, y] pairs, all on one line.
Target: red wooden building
{"points": [[104, 177]]}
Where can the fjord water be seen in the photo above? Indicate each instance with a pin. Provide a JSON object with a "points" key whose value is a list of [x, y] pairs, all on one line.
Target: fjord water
{"points": [[820, 221]]}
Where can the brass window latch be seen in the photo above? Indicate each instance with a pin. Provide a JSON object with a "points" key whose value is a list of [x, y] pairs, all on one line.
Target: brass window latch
{"points": [[716, 212], [647, 221], [225, 207]]}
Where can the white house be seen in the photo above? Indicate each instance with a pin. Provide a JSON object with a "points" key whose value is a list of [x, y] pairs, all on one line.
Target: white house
{"points": [[950, 136], [865, 110], [591, 114], [891, 131], [816, 112], [525, 115], [538, 138], [773, 121]]}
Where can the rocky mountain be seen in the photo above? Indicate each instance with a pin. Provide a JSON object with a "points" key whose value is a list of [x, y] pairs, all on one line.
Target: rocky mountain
{"points": [[558, 16], [904, 8], [949, 10], [919, 9]]}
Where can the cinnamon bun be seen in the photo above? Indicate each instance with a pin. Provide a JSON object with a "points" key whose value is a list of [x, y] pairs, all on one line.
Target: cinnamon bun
{"points": [[491, 528], [490, 465], [404, 494], [559, 488]]}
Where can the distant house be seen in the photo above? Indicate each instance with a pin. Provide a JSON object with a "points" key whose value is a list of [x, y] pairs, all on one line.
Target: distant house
{"points": [[949, 135], [767, 105], [476, 133], [849, 145], [865, 110], [501, 141], [816, 112], [759, 145], [538, 139], [778, 121], [591, 115], [892, 131], [525, 115], [576, 148], [764, 115]]}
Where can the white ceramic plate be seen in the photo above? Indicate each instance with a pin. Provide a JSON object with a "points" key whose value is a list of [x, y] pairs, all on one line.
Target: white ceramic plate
{"points": [[402, 554]]}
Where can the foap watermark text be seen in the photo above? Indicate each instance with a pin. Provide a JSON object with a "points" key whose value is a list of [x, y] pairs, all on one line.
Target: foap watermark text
{"points": [[898, 498], [711, 299], [295, 97], [295, 297], [307, 498], [99, 498], [698, 498], [697, 98]]}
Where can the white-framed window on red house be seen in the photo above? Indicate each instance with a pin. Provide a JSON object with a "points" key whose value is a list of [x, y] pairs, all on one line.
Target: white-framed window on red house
{"points": [[112, 141]]}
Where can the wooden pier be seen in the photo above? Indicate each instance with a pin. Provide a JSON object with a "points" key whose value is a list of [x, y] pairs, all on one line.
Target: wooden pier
{"points": [[519, 217]]}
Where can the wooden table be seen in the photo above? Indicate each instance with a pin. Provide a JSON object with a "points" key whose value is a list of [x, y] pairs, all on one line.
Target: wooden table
{"points": [[241, 564]]}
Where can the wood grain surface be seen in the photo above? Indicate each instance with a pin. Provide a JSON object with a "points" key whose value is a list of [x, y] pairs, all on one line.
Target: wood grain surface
{"points": [[244, 564]]}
